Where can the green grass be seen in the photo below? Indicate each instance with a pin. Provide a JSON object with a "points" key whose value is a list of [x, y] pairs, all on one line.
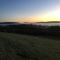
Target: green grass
{"points": [[24, 47]]}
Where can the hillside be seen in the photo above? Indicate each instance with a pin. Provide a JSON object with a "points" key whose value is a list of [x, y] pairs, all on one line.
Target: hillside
{"points": [[23, 47]]}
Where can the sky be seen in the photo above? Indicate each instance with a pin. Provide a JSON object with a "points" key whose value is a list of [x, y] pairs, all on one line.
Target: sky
{"points": [[29, 10]]}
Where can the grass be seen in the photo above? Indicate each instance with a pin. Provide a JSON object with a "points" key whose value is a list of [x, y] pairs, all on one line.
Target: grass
{"points": [[24, 47]]}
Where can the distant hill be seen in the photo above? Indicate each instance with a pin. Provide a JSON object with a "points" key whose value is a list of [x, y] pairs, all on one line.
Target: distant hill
{"points": [[8, 22], [49, 22]]}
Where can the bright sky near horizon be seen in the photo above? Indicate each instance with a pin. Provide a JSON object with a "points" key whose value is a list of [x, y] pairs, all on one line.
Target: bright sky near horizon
{"points": [[29, 10]]}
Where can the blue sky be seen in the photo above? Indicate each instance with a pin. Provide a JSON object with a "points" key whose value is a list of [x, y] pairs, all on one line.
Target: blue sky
{"points": [[26, 8]]}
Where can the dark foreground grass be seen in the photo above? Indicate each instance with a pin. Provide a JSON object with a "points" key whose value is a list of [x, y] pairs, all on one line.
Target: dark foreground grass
{"points": [[23, 47]]}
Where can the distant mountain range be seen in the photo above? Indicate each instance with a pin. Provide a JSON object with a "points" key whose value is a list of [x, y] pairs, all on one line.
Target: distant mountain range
{"points": [[8, 22], [49, 22], [28, 22]]}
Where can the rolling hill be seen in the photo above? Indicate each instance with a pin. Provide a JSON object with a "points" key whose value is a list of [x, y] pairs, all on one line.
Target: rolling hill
{"points": [[24, 47]]}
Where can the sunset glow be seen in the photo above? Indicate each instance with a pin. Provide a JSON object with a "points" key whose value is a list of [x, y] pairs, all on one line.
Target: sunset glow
{"points": [[30, 11], [53, 15]]}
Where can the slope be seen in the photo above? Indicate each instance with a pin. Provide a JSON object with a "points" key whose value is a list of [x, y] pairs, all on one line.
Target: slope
{"points": [[24, 47]]}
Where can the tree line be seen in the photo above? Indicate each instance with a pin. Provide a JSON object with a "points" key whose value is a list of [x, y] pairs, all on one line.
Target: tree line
{"points": [[32, 29]]}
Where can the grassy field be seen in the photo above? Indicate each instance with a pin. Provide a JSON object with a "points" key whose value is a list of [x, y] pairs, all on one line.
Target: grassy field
{"points": [[24, 47]]}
